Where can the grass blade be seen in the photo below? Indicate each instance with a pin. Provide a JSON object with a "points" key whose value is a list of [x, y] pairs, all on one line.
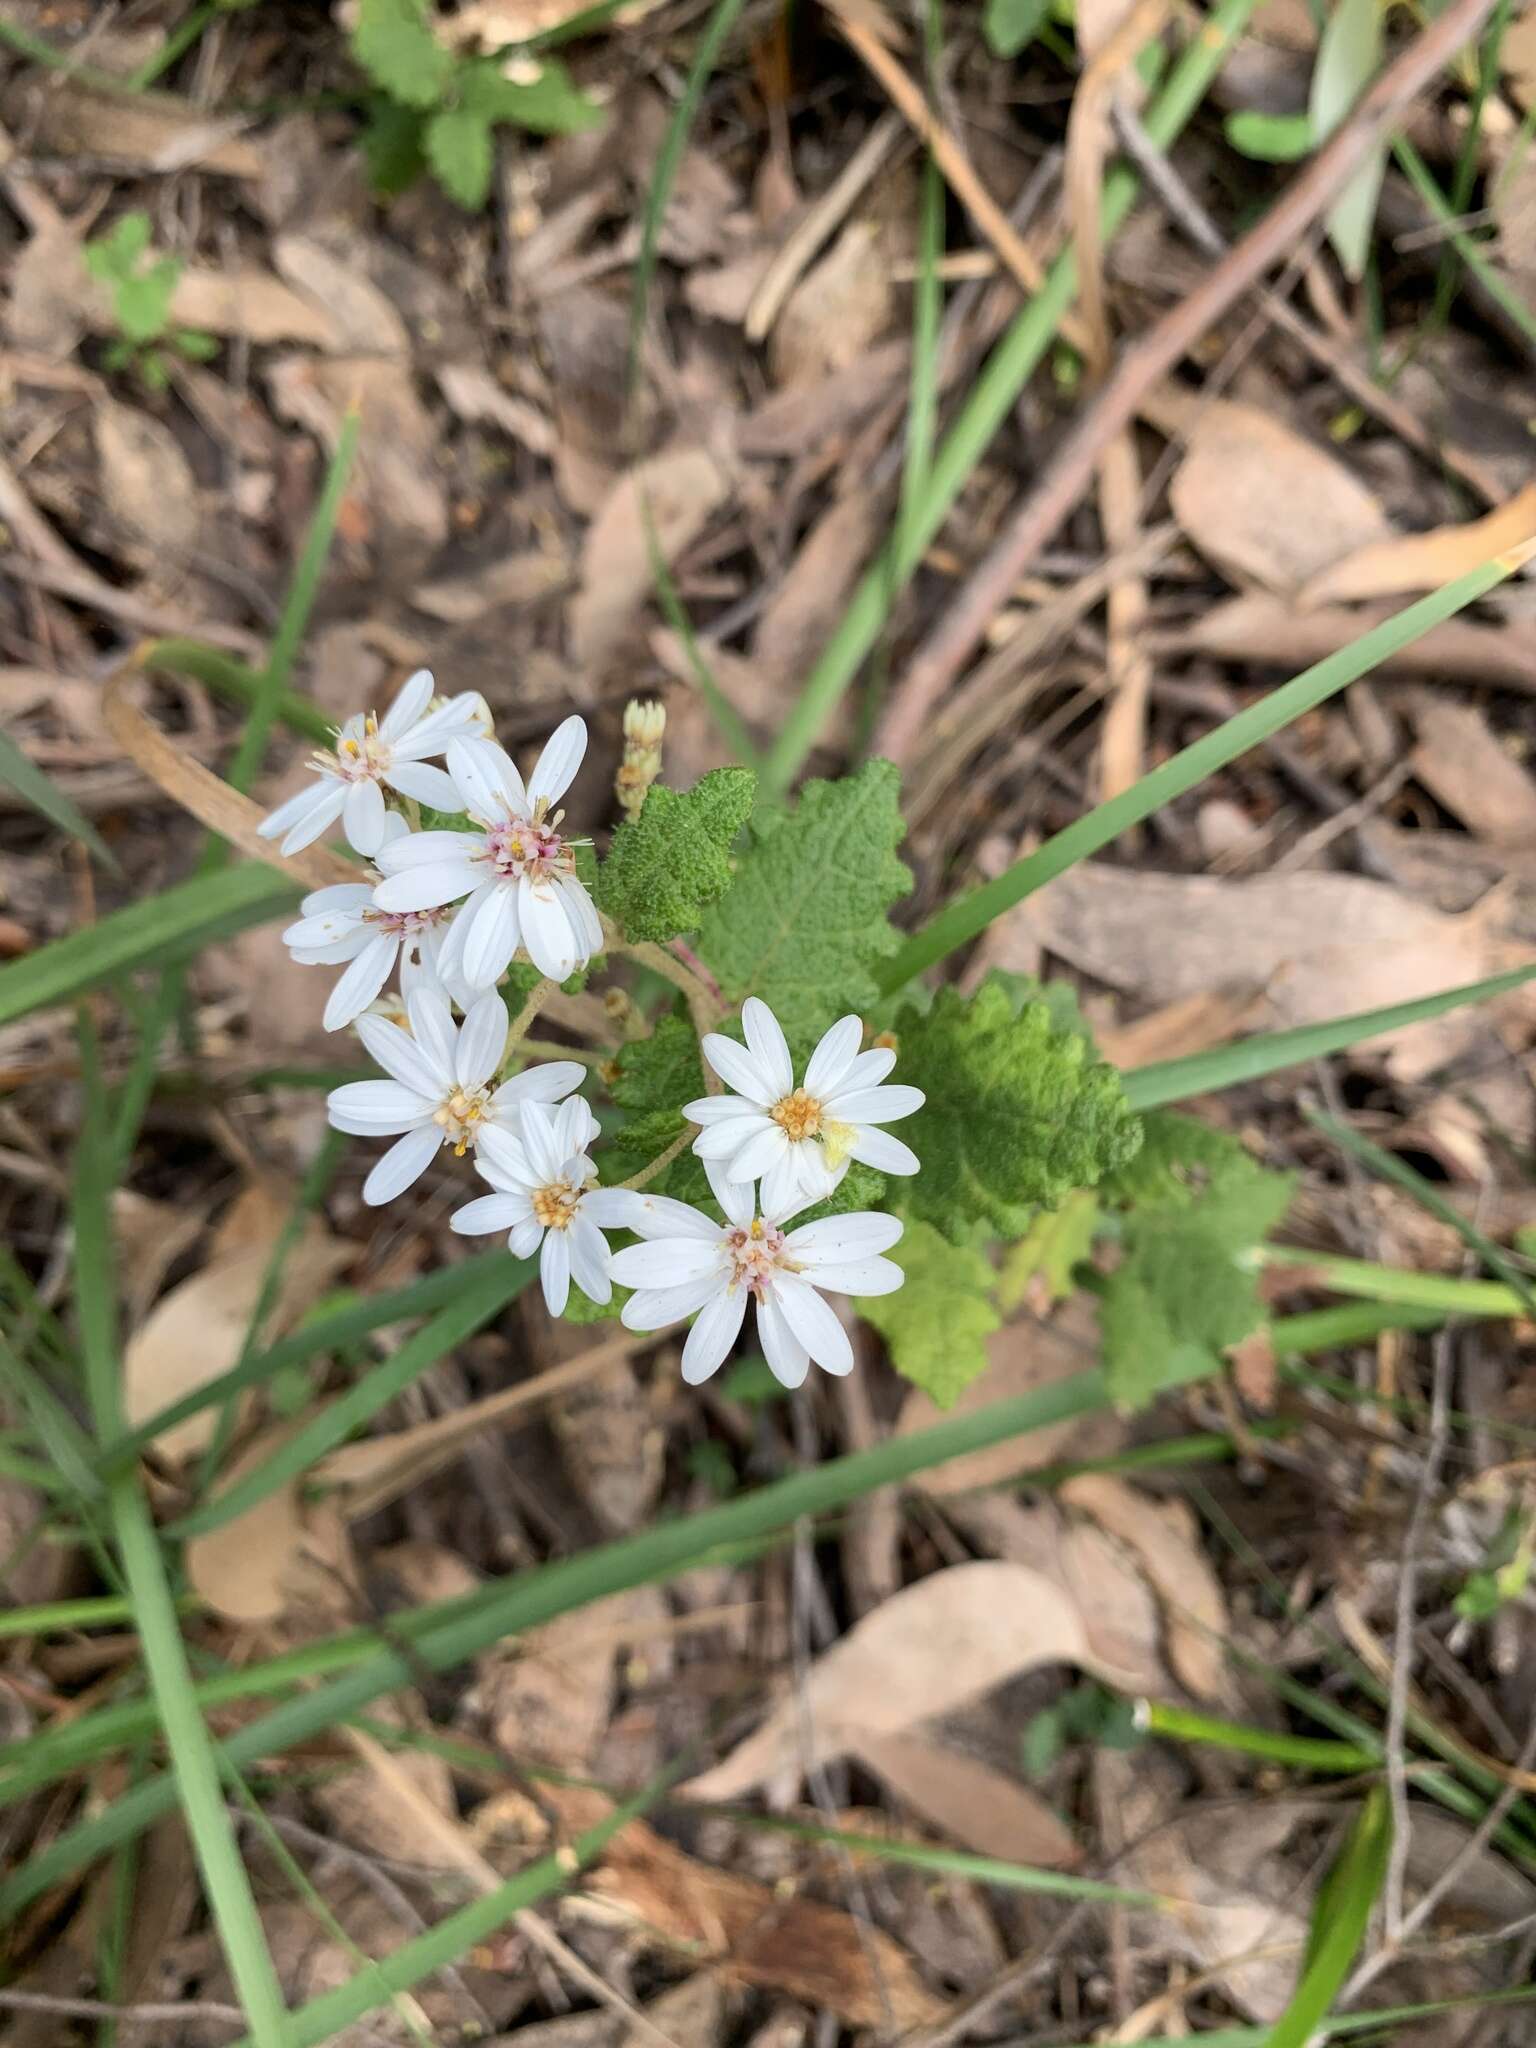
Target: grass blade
{"points": [[992, 398], [472, 1306], [966, 917], [195, 1766], [175, 923], [1339, 1918], [1493, 281], [1225, 1066], [446, 1635], [236, 683], [45, 797]]}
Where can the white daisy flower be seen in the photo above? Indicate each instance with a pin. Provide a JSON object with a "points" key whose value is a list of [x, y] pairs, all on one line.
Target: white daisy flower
{"points": [[799, 1141], [370, 752], [688, 1262], [547, 1196], [341, 925], [517, 874], [439, 1091]]}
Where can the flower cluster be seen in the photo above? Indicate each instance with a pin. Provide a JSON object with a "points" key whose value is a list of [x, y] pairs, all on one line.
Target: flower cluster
{"points": [[449, 909]]}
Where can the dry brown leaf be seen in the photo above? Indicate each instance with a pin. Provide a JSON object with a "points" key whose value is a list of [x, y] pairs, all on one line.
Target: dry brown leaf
{"points": [[249, 303], [1271, 630], [513, 580], [369, 1815], [930, 1647], [1265, 505], [147, 486], [839, 309], [667, 501], [754, 1934], [803, 609], [241, 1568], [196, 1332], [1021, 1357], [1461, 763], [152, 129], [549, 1695], [1423, 561], [612, 1447], [1517, 58], [968, 1800], [492, 24], [1313, 945], [47, 311], [35, 1569], [364, 317], [1163, 1535]]}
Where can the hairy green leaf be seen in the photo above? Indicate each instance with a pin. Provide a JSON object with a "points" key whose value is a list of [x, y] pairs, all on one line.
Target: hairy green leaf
{"points": [[398, 50], [660, 1072], [1018, 1113], [671, 863], [937, 1324], [805, 920], [1009, 24], [394, 153], [551, 104], [457, 141]]}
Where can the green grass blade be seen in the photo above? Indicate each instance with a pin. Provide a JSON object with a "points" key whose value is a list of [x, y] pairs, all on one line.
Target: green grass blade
{"points": [[236, 683], [195, 1766], [966, 917], [1387, 1166], [471, 1308], [1248, 1059], [722, 20], [173, 924], [992, 399], [729, 723], [45, 797], [1339, 1920], [297, 606], [338, 1331], [1306, 1752], [1493, 282], [1347, 1323], [444, 1636], [1368, 1282]]}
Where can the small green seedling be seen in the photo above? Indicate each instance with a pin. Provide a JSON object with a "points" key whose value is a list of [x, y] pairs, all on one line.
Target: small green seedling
{"points": [[141, 303], [438, 110], [1088, 1713], [1504, 1573]]}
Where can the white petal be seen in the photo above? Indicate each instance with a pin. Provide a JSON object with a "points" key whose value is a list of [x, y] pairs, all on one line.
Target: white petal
{"points": [[482, 1040], [502, 1157], [296, 807], [718, 1109], [551, 1081], [781, 1180], [762, 1150], [582, 912], [611, 1208], [652, 1308], [861, 1277], [767, 1044], [547, 932], [349, 898], [876, 1105], [402, 1165], [327, 802], [490, 938], [737, 1198], [427, 849], [555, 1271], [572, 1124], [555, 769], [328, 928], [427, 887], [739, 1070], [724, 1139], [880, 1150], [488, 1214], [330, 956], [538, 1135], [457, 719], [856, 1236], [666, 1261], [589, 1258], [788, 1359], [432, 1027], [828, 1065], [663, 1216], [427, 785], [402, 1058], [869, 1069], [411, 700], [524, 1238], [361, 982], [376, 1109], [362, 816], [487, 780], [713, 1334], [814, 1322]]}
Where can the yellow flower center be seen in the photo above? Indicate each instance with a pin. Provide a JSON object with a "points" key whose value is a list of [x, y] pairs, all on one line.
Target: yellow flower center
{"points": [[555, 1204], [798, 1115], [459, 1116]]}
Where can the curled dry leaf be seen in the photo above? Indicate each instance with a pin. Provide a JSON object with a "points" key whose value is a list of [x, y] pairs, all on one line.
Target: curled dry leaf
{"points": [[839, 309], [152, 129], [1461, 762], [970, 1801], [241, 1569], [1263, 504], [1021, 1357], [196, 1332], [147, 488], [549, 1695], [759, 1935], [662, 504], [364, 317], [936, 1644], [612, 1448], [1423, 561], [372, 1816], [1163, 1536]]}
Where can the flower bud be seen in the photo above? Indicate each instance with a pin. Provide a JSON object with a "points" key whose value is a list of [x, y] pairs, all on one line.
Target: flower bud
{"points": [[645, 722]]}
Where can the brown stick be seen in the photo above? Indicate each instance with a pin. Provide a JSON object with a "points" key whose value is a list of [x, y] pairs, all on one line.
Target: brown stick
{"points": [[946, 650]]}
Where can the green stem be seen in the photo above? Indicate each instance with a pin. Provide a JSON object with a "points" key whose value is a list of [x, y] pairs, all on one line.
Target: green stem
{"points": [[517, 1031]]}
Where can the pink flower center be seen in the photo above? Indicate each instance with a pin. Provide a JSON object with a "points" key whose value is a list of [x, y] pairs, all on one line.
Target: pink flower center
{"points": [[357, 758], [756, 1251], [527, 846], [406, 925]]}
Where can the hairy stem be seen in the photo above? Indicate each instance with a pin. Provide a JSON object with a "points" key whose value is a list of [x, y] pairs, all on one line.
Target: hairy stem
{"points": [[543, 989], [662, 1160]]}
